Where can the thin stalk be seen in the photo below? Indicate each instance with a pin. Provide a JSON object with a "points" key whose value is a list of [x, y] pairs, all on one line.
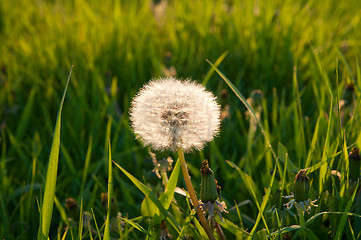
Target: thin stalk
{"points": [[300, 215], [193, 195], [219, 231], [164, 178], [301, 219]]}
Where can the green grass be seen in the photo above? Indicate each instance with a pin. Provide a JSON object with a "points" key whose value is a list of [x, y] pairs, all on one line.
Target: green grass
{"points": [[302, 55]]}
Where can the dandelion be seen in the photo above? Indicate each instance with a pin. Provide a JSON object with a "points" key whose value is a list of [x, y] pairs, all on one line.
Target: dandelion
{"points": [[210, 194], [178, 115], [171, 114], [301, 188]]}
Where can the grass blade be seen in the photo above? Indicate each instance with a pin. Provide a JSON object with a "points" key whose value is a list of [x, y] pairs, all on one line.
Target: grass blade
{"points": [[286, 230], [231, 227], [211, 71], [323, 169], [87, 161], [65, 233], [136, 226], [244, 101], [96, 224], [342, 223], [263, 205], [167, 197], [343, 59], [26, 115], [313, 218], [185, 226], [283, 153], [61, 210], [148, 192], [81, 219], [110, 193], [313, 142], [51, 175]]}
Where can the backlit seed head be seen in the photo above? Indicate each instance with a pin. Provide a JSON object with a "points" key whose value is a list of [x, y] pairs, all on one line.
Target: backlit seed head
{"points": [[168, 113]]}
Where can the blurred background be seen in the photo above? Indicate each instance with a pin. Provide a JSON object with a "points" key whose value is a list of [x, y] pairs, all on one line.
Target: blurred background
{"points": [[277, 53]]}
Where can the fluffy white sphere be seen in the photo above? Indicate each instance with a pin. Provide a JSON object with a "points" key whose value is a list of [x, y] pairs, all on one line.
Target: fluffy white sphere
{"points": [[168, 113]]}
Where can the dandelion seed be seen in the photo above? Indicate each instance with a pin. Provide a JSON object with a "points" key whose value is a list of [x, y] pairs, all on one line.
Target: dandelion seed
{"points": [[170, 114]]}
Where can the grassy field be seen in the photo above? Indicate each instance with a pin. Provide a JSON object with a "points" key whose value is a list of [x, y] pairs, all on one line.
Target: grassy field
{"points": [[294, 61]]}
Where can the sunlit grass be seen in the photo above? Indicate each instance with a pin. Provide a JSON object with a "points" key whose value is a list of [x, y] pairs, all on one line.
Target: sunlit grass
{"points": [[304, 57]]}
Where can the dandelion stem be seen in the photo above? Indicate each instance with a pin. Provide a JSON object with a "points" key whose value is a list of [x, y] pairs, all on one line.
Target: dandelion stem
{"points": [[220, 232], [164, 178], [193, 195], [300, 215], [301, 219]]}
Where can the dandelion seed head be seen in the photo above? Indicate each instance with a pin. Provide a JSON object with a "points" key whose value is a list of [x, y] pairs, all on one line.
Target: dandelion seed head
{"points": [[168, 113]]}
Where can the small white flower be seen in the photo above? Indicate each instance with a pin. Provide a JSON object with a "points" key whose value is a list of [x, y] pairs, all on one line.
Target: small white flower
{"points": [[168, 114]]}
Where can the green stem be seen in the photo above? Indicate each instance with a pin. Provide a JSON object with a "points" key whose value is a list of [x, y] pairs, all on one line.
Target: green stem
{"points": [[164, 178], [193, 195], [300, 215], [220, 232], [301, 219]]}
